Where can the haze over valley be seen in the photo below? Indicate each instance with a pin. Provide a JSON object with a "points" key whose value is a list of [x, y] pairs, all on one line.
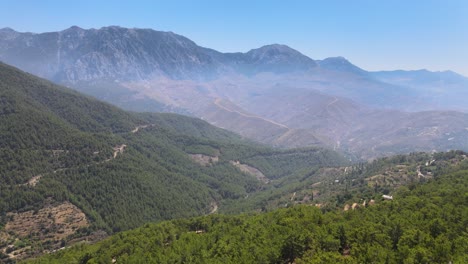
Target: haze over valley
{"points": [[272, 94]]}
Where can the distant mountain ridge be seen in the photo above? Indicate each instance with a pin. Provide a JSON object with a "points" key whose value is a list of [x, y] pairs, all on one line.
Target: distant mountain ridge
{"points": [[136, 54], [79, 57], [77, 54], [75, 45], [272, 94]]}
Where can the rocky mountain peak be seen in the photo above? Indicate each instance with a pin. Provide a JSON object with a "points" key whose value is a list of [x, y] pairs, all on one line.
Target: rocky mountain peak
{"points": [[340, 64], [8, 33], [6, 29], [276, 51], [278, 58], [74, 28]]}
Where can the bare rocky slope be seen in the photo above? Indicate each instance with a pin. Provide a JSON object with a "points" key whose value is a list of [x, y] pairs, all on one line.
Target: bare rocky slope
{"points": [[273, 94]]}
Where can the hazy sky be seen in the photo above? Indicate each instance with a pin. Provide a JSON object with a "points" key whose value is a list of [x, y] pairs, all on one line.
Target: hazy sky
{"points": [[375, 35]]}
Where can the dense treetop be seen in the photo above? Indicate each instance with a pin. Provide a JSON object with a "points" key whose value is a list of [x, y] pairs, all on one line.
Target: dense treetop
{"points": [[424, 224]]}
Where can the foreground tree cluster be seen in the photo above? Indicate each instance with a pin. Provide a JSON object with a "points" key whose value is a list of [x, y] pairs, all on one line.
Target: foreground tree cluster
{"points": [[426, 224]]}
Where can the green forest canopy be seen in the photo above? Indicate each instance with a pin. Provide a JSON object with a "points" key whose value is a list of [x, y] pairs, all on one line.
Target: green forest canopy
{"points": [[425, 224]]}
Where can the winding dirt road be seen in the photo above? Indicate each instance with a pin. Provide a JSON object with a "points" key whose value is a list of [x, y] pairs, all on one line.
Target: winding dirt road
{"points": [[217, 102]]}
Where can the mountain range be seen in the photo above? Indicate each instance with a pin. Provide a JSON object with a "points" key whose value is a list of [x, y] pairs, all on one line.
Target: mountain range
{"points": [[273, 94]]}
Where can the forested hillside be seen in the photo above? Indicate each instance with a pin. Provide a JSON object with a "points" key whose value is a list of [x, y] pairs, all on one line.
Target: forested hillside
{"points": [[64, 155], [424, 223], [347, 187]]}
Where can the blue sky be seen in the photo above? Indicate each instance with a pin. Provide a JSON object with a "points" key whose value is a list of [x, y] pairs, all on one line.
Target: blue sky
{"points": [[375, 35]]}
